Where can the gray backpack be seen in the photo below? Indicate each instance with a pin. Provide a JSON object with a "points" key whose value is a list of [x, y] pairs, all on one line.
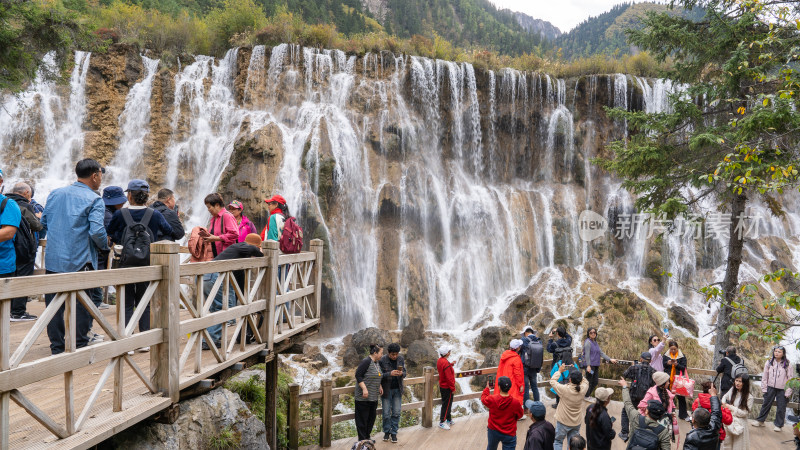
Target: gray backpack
{"points": [[736, 368]]}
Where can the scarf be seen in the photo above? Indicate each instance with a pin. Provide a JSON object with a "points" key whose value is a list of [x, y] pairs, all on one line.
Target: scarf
{"points": [[676, 357]]}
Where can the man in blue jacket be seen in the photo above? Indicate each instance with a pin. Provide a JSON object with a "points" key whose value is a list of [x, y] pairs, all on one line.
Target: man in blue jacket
{"points": [[532, 358]]}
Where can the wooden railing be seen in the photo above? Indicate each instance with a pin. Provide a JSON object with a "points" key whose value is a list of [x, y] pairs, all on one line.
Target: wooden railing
{"points": [[430, 380], [272, 304]]}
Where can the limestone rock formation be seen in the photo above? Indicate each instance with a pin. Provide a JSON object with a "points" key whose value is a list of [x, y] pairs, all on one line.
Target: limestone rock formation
{"points": [[681, 317], [413, 332], [420, 354]]}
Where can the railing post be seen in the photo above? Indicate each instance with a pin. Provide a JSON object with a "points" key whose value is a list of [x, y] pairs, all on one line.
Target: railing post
{"points": [[271, 285], [5, 354], [294, 416], [165, 311], [316, 247], [326, 411], [427, 408], [271, 400]]}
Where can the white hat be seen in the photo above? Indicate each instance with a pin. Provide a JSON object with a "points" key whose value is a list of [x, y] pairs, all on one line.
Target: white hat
{"points": [[515, 344], [445, 349]]}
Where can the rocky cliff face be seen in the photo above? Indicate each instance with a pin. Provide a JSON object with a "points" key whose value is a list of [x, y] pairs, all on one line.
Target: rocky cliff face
{"points": [[443, 193]]}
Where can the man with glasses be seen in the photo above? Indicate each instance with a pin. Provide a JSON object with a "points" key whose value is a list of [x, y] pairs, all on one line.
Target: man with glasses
{"points": [[73, 218]]}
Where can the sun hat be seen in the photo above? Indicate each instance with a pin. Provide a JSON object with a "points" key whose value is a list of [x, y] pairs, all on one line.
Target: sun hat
{"points": [[113, 196]]}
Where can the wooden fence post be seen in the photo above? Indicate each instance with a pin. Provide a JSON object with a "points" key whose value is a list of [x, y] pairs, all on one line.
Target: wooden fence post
{"points": [[316, 247], [5, 354], [294, 416], [326, 411], [427, 408], [271, 406], [165, 312], [271, 285]]}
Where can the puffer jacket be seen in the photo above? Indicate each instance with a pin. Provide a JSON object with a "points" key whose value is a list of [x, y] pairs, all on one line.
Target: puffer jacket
{"points": [[706, 438], [775, 376]]}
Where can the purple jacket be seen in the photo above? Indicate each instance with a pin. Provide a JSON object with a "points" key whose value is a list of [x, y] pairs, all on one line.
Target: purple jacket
{"points": [[776, 376]]}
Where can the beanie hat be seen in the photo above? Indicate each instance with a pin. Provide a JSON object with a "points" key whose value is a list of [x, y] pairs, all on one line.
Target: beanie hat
{"points": [[660, 378]]}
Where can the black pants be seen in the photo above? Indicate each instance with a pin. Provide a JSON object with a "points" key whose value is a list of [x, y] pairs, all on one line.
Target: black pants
{"points": [[365, 418], [779, 397], [624, 425], [447, 404], [593, 379], [133, 295], [681, 407], [55, 329], [19, 305]]}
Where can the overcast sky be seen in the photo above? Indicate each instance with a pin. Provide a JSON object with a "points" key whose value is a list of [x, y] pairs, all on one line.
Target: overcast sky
{"points": [[565, 14]]}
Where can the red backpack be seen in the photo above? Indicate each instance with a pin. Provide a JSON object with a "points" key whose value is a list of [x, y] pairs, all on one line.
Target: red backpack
{"points": [[291, 240]]}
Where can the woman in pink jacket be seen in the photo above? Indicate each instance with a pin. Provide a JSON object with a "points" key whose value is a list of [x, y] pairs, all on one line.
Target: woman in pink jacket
{"points": [[661, 393], [222, 230], [777, 371], [244, 224]]}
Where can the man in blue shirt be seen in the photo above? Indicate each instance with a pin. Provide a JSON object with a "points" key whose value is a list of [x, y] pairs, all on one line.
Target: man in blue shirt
{"points": [[73, 217], [9, 222]]}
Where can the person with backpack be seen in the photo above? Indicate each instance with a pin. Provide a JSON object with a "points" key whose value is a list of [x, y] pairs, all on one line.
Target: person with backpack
{"points": [[569, 412], [646, 432], [73, 219], [703, 400], [592, 356], [730, 367], [511, 366], [641, 376], [532, 358], [599, 425], [739, 401], [447, 386], [705, 426], [394, 371], [560, 342], [777, 371], [541, 434], [278, 212], [25, 245], [165, 204], [10, 217], [675, 364], [504, 411], [660, 393], [222, 229], [135, 228]]}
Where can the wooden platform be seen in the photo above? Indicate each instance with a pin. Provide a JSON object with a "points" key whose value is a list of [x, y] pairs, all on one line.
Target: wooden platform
{"points": [[469, 432]]}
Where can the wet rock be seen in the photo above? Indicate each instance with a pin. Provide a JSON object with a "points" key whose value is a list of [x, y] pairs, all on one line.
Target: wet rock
{"points": [[469, 364], [494, 337], [351, 358], [414, 331], [420, 354], [682, 318], [319, 361], [363, 339], [521, 308]]}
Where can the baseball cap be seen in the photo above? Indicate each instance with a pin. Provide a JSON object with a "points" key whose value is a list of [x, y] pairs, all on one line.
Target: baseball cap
{"points": [[602, 393], [276, 198], [443, 350], [646, 356], [536, 408], [236, 204], [113, 195], [527, 329], [138, 185], [515, 343], [504, 383]]}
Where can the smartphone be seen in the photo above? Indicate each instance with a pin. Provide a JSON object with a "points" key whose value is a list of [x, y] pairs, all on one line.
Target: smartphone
{"points": [[613, 419], [491, 380], [666, 330]]}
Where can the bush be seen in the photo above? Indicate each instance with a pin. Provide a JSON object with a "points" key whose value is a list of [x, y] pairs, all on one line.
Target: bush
{"points": [[233, 17]]}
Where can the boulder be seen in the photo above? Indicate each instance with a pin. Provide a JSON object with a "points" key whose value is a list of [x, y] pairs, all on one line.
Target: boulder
{"points": [[682, 318], [351, 358], [420, 354], [363, 339], [319, 361], [494, 337], [200, 420], [414, 331], [519, 310]]}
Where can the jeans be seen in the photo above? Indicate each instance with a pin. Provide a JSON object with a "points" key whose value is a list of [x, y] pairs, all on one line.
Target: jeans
{"points": [[563, 431], [495, 437], [593, 379], [531, 382], [365, 418], [56, 330], [447, 404], [779, 396], [391, 405], [208, 282], [19, 305]]}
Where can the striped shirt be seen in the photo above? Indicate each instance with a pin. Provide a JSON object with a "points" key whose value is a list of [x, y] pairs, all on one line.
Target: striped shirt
{"points": [[369, 372]]}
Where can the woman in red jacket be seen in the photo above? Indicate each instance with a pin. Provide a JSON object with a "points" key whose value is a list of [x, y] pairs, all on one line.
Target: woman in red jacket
{"points": [[511, 366], [447, 386], [222, 230]]}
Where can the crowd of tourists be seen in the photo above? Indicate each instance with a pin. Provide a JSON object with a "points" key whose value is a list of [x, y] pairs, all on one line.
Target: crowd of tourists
{"points": [[88, 230], [656, 395]]}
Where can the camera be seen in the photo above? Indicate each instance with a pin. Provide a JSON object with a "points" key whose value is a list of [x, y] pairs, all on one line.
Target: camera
{"points": [[722, 352]]}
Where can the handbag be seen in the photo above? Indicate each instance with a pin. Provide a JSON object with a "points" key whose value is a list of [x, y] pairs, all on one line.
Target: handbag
{"points": [[735, 428], [582, 362], [683, 385]]}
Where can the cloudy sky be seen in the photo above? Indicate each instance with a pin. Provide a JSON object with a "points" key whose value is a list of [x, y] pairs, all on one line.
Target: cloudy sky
{"points": [[564, 14]]}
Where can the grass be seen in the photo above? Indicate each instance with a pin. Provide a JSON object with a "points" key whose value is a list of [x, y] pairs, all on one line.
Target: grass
{"points": [[253, 392], [228, 438]]}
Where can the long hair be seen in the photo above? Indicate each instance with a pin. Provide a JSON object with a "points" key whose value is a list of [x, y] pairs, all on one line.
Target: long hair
{"points": [[663, 395], [783, 359], [597, 409], [650, 340], [745, 392]]}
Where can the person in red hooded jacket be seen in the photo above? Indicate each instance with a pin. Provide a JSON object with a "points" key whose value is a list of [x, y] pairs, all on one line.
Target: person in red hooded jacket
{"points": [[504, 411], [703, 400], [511, 366]]}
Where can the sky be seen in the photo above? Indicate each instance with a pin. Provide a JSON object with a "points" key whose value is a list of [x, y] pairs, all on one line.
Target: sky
{"points": [[565, 14]]}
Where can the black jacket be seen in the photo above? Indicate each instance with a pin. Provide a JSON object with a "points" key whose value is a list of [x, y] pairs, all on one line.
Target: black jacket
{"points": [[680, 365], [27, 211], [706, 438], [644, 381], [387, 365], [553, 344], [172, 218], [599, 437], [541, 436], [724, 368]]}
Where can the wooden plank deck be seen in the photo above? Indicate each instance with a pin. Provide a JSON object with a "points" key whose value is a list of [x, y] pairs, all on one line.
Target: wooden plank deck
{"points": [[469, 432], [48, 395]]}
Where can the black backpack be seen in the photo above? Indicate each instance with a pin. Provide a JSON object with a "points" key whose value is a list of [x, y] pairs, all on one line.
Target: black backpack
{"points": [[534, 354], [642, 381], [563, 354], [25, 243], [136, 239], [645, 437]]}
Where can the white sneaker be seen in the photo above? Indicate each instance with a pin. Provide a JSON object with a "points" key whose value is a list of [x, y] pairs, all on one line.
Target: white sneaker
{"points": [[130, 353], [103, 306], [143, 349], [777, 429], [444, 426], [756, 423]]}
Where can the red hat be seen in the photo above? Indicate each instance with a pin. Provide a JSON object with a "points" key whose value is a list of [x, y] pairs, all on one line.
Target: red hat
{"points": [[277, 199]]}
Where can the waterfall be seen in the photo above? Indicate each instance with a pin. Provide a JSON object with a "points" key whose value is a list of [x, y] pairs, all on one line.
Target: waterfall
{"points": [[492, 124], [134, 125]]}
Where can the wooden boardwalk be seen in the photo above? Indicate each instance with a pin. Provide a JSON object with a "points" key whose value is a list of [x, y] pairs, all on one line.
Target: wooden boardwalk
{"points": [[469, 432]]}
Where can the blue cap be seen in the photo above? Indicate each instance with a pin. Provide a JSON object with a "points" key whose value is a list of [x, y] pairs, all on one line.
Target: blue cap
{"points": [[536, 408], [138, 185], [113, 195]]}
